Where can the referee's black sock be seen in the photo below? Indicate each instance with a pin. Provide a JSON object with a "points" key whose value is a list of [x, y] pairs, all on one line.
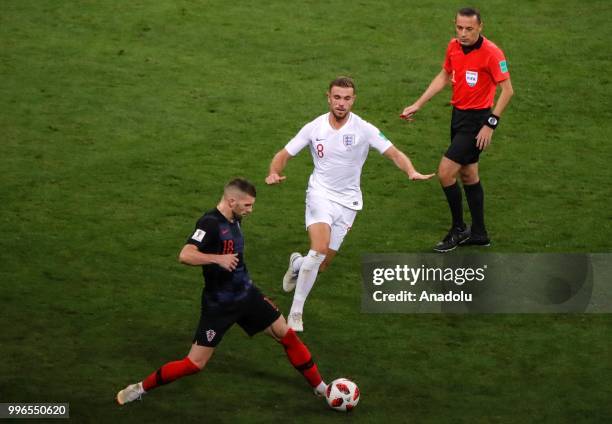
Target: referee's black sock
{"points": [[475, 198], [453, 196]]}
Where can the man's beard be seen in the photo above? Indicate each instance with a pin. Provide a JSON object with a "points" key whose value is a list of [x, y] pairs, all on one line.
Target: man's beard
{"points": [[339, 118]]}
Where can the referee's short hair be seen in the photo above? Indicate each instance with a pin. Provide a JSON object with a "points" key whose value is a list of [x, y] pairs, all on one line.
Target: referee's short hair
{"points": [[242, 185], [469, 11], [345, 82]]}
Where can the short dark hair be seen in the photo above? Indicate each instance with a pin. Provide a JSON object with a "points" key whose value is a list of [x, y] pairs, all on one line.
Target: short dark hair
{"points": [[346, 82], [242, 185], [469, 11]]}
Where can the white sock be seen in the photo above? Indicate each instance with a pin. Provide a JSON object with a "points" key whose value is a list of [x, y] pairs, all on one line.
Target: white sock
{"points": [[306, 279], [141, 390], [297, 264]]}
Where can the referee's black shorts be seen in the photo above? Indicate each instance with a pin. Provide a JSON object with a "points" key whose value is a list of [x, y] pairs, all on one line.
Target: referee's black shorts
{"points": [[465, 125], [254, 313]]}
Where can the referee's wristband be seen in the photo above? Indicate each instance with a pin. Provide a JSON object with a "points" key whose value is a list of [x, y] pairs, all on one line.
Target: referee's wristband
{"points": [[492, 121]]}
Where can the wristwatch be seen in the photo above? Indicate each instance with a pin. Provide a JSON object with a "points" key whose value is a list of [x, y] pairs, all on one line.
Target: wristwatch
{"points": [[492, 121]]}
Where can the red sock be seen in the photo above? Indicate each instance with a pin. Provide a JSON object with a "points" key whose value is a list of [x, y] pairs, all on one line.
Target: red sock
{"points": [[169, 372], [300, 358]]}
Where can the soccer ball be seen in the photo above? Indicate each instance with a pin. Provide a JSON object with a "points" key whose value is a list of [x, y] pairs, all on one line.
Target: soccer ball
{"points": [[342, 394]]}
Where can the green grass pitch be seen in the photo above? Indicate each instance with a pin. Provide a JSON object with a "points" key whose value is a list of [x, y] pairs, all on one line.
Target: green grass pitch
{"points": [[120, 121]]}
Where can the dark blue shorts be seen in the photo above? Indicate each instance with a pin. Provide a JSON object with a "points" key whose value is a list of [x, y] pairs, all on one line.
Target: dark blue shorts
{"points": [[254, 313]]}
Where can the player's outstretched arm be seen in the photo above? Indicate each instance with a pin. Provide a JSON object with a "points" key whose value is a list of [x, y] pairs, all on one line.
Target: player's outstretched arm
{"points": [[279, 161], [403, 162], [437, 84], [190, 255]]}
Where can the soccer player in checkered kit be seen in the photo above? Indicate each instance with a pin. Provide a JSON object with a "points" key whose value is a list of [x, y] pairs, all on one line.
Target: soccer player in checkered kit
{"points": [[339, 142], [229, 296], [475, 67]]}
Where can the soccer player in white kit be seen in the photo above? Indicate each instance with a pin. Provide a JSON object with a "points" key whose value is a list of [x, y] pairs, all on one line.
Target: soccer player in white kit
{"points": [[339, 143]]}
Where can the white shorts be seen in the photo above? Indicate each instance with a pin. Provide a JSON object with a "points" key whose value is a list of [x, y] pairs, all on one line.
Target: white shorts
{"points": [[338, 217]]}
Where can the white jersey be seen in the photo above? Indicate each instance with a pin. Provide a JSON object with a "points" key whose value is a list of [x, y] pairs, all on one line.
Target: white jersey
{"points": [[338, 156]]}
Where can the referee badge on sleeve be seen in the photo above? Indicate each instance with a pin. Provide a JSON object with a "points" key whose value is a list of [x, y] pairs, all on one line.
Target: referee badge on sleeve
{"points": [[471, 77]]}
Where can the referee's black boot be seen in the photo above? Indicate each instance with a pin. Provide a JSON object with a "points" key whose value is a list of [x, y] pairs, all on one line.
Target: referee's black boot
{"points": [[477, 239], [454, 238]]}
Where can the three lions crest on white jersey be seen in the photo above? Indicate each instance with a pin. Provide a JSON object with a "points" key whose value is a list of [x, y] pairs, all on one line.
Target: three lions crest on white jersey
{"points": [[338, 156]]}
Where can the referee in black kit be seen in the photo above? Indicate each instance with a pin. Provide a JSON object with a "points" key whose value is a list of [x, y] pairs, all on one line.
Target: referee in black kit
{"points": [[474, 66]]}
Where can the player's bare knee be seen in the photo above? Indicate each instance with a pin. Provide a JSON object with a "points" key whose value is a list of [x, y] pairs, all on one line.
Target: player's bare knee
{"points": [[446, 176], [199, 359], [199, 362], [469, 179], [277, 329], [320, 249], [447, 180], [270, 332], [200, 355]]}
